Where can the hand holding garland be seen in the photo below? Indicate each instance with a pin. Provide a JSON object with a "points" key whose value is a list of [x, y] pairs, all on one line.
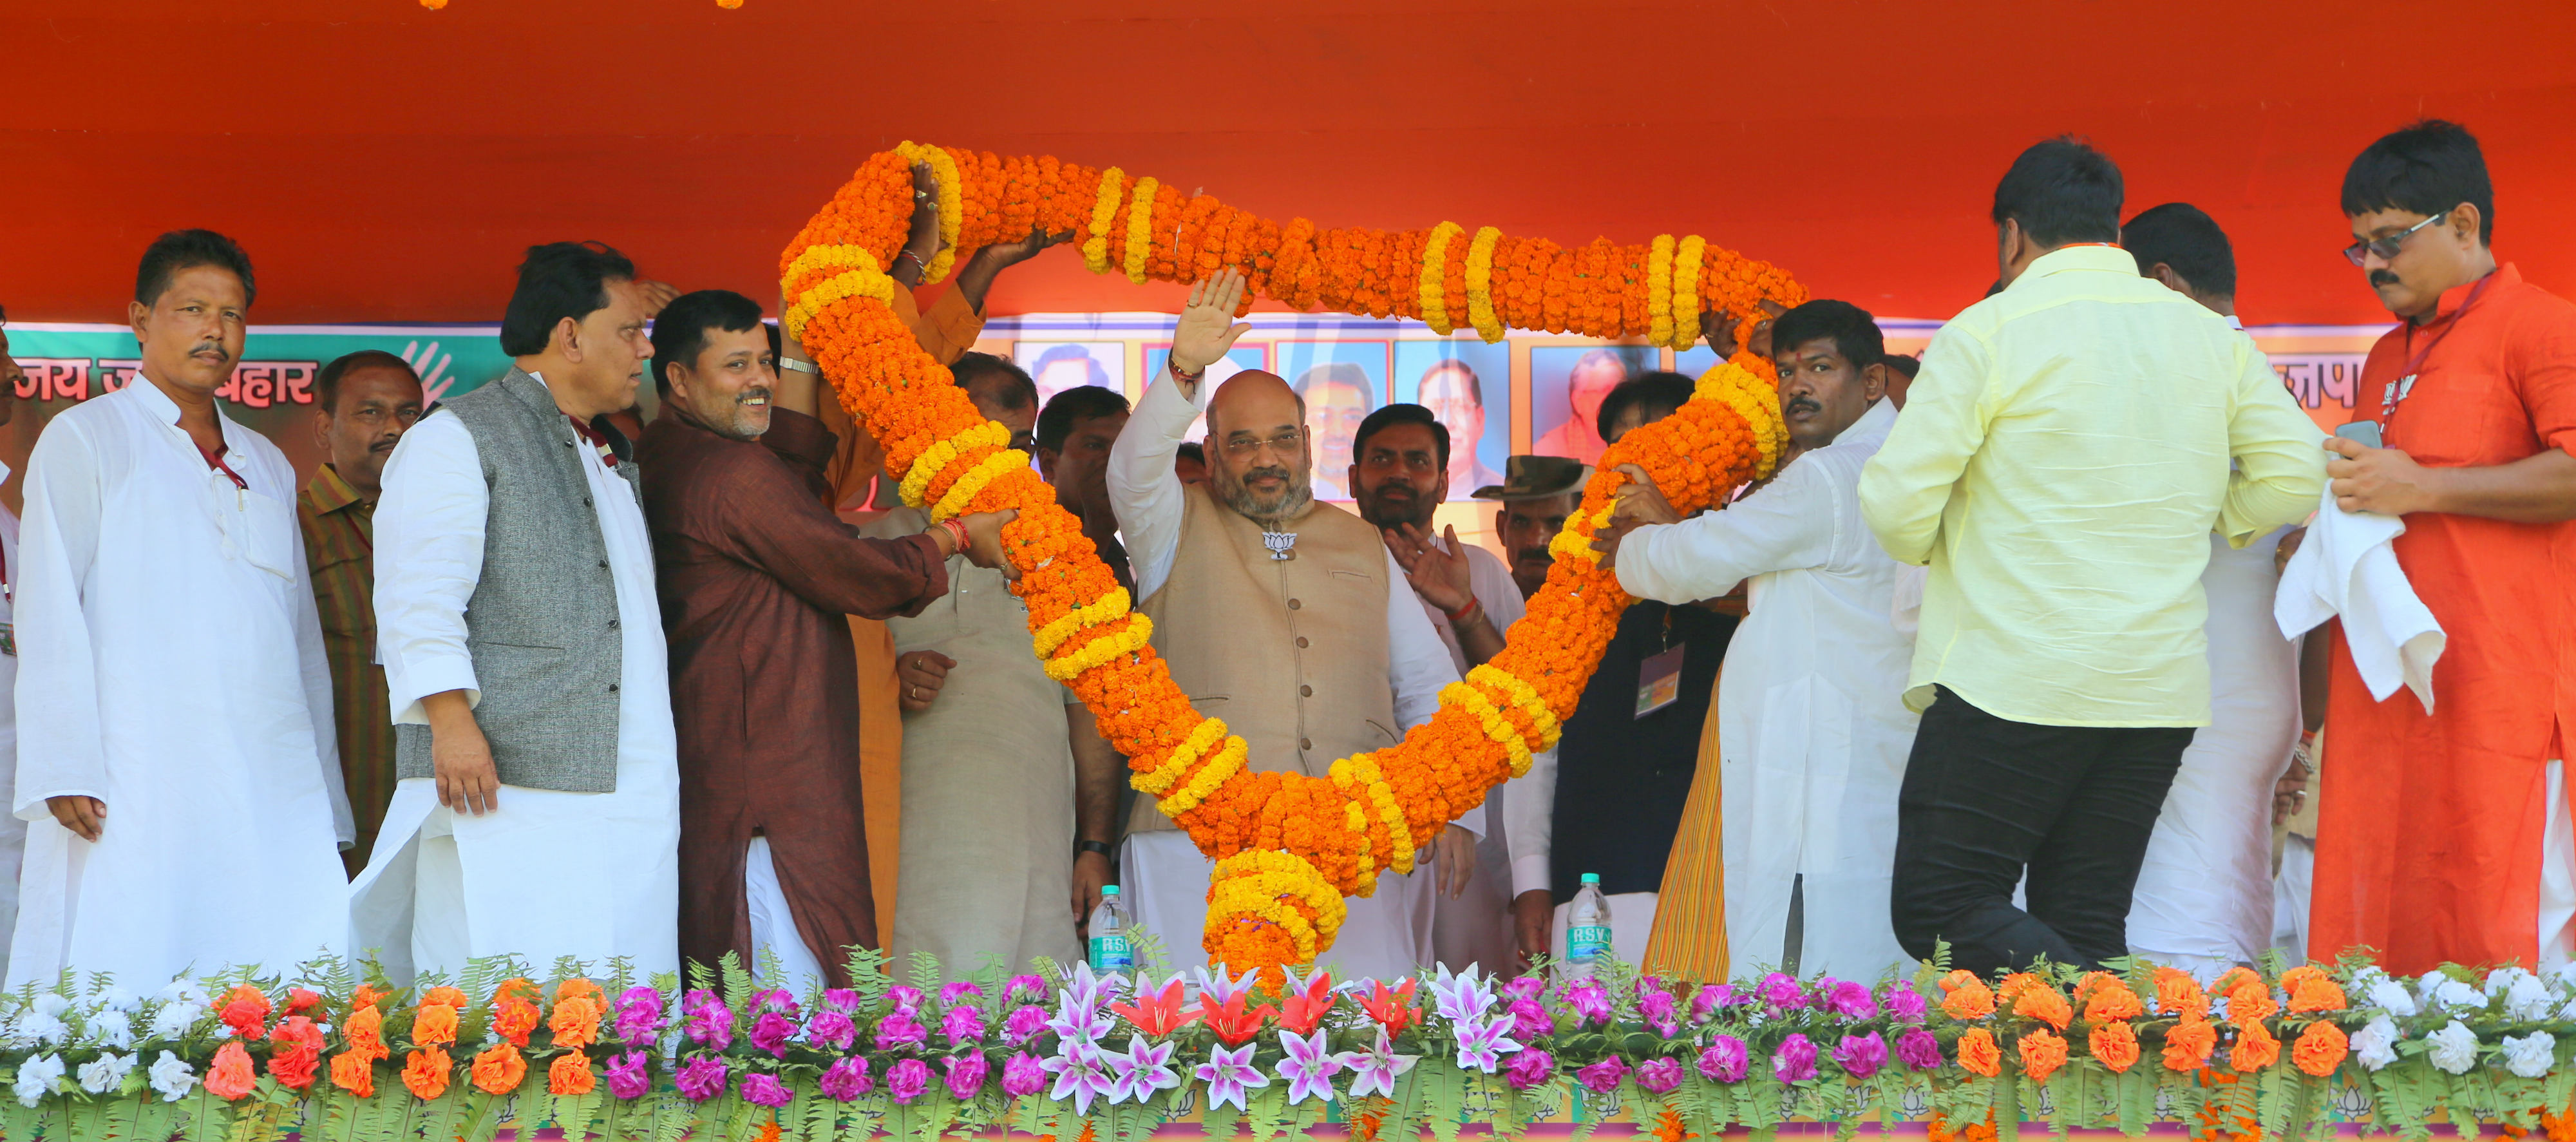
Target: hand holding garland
{"points": [[921, 243]]}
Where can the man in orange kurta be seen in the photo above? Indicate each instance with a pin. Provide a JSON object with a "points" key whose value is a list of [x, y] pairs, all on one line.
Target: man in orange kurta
{"points": [[2447, 837]]}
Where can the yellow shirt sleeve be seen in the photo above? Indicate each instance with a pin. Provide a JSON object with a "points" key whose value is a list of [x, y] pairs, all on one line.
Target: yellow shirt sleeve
{"points": [[2280, 456], [1905, 487]]}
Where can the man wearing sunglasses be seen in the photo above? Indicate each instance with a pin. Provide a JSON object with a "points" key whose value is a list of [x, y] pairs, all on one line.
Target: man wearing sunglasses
{"points": [[2474, 394]]}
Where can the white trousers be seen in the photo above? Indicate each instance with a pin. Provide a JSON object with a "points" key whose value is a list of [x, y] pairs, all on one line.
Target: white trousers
{"points": [[1386, 936], [773, 926], [1632, 923], [2557, 876]]}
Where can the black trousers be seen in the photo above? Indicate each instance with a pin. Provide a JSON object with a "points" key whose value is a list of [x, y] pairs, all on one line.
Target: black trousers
{"points": [[1987, 799]]}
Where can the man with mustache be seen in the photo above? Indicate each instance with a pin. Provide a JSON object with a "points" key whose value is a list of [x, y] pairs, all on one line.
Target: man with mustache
{"points": [[755, 576], [177, 691], [1812, 736], [1277, 614], [363, 402], [1399, 476], [537, 811], [2475, 393], [1537, 494]]}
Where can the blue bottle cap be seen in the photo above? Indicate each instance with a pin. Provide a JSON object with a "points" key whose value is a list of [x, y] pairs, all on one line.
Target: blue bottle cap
{"points": [[1591, 878]]}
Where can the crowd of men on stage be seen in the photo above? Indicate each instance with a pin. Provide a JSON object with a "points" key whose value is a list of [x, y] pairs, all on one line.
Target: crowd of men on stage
{"points": [[1990, 660]]}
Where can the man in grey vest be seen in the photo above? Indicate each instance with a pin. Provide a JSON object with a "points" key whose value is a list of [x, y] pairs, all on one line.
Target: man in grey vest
{"points": [[537, 810]]}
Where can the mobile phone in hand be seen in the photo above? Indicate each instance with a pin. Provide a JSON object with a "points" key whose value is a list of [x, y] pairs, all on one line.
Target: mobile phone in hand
{"points": [[2362, 432]]}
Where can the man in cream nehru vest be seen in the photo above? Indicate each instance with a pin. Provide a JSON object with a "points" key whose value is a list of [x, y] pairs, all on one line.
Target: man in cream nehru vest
{"points": [[1274, 613]]}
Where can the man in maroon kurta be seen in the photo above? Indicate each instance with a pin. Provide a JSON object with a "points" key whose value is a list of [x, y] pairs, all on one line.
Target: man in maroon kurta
{"points": [[755, 575]]}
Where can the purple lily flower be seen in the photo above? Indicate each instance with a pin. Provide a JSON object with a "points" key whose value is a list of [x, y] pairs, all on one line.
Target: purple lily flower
{"points": [[847, 1079], [1602, 1077], [907, 1079], [1087, 992], [1726, 1060], [1919, 1050], [765, 1090], [1375, 1069], [966, 1074], [948, 994], [1081, 1074], [1309, 1066], [771, 1032], [1860, 1056], [1022, 988], [639, 1015], [1024, 1024], [963, 1025], [1528, 1068], [1906, 1004], [701, 1078], [1660, 1076], [1023, 1075], [1078, 1024], [1229, 1075], [1795, 1061], [1461, 998], [628, 1076], [832, 1029], [1140, 1071], [1482, 1043], [1852, 1001], [1590, 1002], [1782, 992], [1530, 1020], [1221, 987]]}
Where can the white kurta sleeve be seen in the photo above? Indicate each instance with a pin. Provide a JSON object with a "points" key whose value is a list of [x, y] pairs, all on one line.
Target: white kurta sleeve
{"points": [[1529, 822], [1143, 490], [429, 555], [61, 752], [1418, 665], [1790, 524], [317, 692]]}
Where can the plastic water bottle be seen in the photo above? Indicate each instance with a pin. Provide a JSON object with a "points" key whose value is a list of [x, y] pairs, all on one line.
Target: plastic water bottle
{"points": [[1110, 951], [1587, 930]]}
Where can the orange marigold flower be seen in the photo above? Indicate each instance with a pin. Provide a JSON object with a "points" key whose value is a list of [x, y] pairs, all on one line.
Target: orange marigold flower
{"points": [[2291, 979], [499, 1069], [570, 1074], [435, 1024], [2250, 1002], [355, 1073], [2115, 1044], [2179, 994], [576, 986], [450, 996], [2043, 1003], [2189, 1043], [231, 1076], [2110, 999], [513, 1018], [2233, 978], [2255, 1049], [575, 1022], [2042, 1052], [245, 1009], [365, 1033], [1979, 1054], [365, 996], [293, 1068], [426, 1075], [2320, 1049], [1969, 1000], [2317, 994]]}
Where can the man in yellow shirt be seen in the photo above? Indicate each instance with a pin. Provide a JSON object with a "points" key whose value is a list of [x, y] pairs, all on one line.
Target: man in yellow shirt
{"points": [[2058, 466]]}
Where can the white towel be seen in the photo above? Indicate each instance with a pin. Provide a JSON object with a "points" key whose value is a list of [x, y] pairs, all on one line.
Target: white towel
{"points": [[2347, 567]]}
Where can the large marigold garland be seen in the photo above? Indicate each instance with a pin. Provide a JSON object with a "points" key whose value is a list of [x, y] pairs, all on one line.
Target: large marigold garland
{"points": [[1288, 847]]}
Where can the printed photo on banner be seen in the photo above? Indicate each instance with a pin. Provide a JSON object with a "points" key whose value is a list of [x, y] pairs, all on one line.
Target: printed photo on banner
{"points": [[1060, 365], [1341, 382], [1467, 385], [1567, 383]]}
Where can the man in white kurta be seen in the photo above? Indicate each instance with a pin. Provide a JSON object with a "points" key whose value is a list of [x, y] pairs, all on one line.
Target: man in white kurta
{"points": [[1812, 732], [546, 873], [173, 669], [13, 832], [1388, 934]]}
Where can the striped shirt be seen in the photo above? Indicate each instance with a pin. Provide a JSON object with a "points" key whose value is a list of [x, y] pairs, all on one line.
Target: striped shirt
{"points": [[339, 546]]}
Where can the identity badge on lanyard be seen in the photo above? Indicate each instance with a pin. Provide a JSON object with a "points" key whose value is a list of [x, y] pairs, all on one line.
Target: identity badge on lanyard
{"points": [[2404, 385], [1659, 679]]}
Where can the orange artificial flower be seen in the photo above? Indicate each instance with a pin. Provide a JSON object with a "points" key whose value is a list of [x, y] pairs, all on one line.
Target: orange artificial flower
{"points": [[570, 1074], [2255, 1049], [2041, 1002], [2249, 1001], [576, 1021], [513, 1018], [575, 986], [1966, 999], [364, 1031], [2188, 1044], [499, 1068], [2233, 978], [2320, 1049], [2115, 1044], [293, 1068], [231, 1076], [354, 1072], [2110, 999], [2179, 994], [2316, 995], [245, 1009], [1979, 1054], [2291, 979], [2042, 1052], [436, 1024], [450, 996], [426, 1075]]}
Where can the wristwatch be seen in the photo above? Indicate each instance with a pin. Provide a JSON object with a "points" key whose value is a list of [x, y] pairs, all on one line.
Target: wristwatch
{"points": [[1081, 847], [799, 365]]}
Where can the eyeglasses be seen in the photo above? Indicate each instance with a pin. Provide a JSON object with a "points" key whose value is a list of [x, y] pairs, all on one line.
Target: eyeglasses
{"points": [[2387, 247], [1285, 444]]}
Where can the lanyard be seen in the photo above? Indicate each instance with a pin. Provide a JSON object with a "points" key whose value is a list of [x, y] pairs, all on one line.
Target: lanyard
{"points": [[2396, 390]]}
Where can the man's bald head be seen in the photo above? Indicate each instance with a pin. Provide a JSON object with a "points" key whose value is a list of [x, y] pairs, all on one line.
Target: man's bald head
{"points": [[1260, 463]]}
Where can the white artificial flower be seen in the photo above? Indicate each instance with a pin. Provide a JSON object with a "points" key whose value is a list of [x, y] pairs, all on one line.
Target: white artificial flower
{"points": [[2526, 997], [2454, 1048], [43, 1028], [105, 1073], [172, 1078], [36, 1078], [2530, 1056], [2389, 994], [112, 1029], [51, 1004], [175, 1018], [114, 998], [2376, 1044], [2502, 979], [2564, 976], [182, 991], [2451, 993]]}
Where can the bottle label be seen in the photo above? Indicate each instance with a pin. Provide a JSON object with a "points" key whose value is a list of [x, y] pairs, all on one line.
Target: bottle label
{"points": [[1111, 953], [1587, 942]]}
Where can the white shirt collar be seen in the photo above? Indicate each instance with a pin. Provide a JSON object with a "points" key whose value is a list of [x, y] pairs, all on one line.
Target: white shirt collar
{"points": [[1877, 418], [165, 412]]}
